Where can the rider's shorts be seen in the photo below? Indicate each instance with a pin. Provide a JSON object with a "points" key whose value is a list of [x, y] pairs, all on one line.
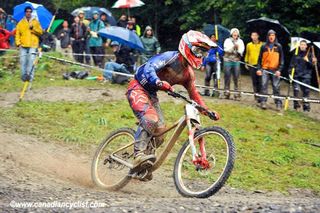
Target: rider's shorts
{"points": [[145, 106]]}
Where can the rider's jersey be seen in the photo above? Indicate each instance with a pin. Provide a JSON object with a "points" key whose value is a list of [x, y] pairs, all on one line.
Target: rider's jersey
{"points": [[147, 73], [168, 66]]}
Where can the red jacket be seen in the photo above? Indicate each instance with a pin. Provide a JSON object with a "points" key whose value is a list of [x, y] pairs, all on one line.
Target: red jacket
{"points": [[4, 39]]}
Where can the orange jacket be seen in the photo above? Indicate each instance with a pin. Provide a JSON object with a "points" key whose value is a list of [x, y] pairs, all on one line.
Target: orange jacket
{"points": [[271, 58]]}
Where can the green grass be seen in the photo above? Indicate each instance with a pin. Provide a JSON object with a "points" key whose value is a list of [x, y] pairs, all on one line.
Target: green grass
{"points": [[48, 73], [272, 153]]}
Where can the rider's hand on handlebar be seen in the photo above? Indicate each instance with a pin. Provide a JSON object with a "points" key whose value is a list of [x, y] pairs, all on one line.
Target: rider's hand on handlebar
{"points": [[213, 115], [165, 86]]}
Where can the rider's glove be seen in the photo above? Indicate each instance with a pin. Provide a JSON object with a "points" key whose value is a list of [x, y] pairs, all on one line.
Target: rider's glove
{"points": [[214, 115], [165, 86], [211, 114]]}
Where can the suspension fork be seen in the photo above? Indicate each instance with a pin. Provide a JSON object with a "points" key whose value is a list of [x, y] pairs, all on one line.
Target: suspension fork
{"points": [[199, 162], [191, 133]]}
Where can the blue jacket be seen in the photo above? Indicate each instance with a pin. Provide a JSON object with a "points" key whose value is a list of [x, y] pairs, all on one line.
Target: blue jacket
{"points": [[147, 73], [212, 55]]}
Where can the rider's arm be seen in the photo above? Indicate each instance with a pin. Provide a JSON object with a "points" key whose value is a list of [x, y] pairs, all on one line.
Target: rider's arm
{"points": [[150, 72], [192, 90], [154, 65]]}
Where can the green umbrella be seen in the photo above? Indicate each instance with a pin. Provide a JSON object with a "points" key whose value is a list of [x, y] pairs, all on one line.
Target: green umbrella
{"points": [[55, 25]]}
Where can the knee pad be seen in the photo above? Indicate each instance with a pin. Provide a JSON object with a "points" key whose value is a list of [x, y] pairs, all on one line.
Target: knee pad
{"points": [[150, 121], [149, 125]]}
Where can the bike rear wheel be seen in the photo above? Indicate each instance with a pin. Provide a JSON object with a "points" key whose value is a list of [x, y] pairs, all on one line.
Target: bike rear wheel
{"points": [[202, 183], [105, 171]]}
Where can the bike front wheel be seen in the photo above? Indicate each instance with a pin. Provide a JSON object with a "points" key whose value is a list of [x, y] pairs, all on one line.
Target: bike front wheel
{"points": [[192, 181], [108, 168]]}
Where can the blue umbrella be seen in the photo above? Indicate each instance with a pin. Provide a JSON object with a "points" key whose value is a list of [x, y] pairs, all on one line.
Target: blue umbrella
{"points": [[123, 36], [88, 12], [39, 11]]}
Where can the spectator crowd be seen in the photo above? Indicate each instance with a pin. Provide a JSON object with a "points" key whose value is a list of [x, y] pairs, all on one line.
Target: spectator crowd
{"points": [[81, 39]]}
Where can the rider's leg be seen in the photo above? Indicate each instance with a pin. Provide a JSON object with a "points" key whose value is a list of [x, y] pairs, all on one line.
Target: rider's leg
{"points": [[147, 127], [142, 106], [161, 124]]}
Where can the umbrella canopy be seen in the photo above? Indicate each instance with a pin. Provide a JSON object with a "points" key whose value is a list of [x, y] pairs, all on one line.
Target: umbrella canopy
{"points": [[39, 12], [55, 25], [312, 36], [88, 12], [317, 44], [123, 36], [127, 4], [295, 41], [263, 25], [223, 32]]}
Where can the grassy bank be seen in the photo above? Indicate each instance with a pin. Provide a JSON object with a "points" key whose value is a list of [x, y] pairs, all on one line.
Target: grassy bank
{"points": [[48, 73]]}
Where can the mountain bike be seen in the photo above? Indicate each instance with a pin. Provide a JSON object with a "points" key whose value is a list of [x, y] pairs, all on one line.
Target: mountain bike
{"points": [[201, 168]]}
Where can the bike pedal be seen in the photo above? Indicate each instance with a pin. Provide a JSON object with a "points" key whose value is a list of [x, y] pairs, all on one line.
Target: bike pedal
{"points": [[143, 166]]}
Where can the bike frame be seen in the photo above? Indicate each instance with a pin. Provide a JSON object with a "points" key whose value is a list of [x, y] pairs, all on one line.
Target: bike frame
{"points": [[178, 127]]}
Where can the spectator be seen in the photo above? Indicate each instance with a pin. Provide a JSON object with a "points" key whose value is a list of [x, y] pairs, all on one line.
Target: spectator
{"points": [[65, 39], [83, 19], [95, 41], [3, 18], [86, 22], [123, 62], [271, 58], [252, 55], [48, 42], [210, 64], [28, 32], [303, 72], [78, 34], [11, 26], [136, 27], [4, 39], [150, 43], [233, 48], [131, 27], [103, 18], [122, 21]]}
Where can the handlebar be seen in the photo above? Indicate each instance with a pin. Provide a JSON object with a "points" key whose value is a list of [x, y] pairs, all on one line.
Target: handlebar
{"points": [[208, 113]]}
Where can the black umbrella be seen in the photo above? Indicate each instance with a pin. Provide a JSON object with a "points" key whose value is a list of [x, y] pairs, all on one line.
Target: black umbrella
{"points": [[88, 11], [223, 32], [314, 37], [263, 25]]}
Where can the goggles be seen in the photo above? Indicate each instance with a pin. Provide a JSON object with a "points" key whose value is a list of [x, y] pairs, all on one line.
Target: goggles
{"points": [[199, 52]]}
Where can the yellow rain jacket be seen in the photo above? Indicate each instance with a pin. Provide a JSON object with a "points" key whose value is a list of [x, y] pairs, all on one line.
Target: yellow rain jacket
{"points": [[27, 37]]}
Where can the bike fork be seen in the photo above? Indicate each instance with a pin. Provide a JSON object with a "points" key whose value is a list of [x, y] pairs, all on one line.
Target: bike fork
{"points": [[191, 141], [199, 162]]}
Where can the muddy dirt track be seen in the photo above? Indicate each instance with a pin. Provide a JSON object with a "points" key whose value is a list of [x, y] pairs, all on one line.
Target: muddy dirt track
{"points": [[36, 171]]}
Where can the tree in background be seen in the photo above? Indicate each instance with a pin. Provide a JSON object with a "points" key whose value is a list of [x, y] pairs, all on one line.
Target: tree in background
{"points": [[171, 18]]}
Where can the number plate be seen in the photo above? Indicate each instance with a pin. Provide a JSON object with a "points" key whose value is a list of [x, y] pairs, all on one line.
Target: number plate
{"points": [[192, 113]]}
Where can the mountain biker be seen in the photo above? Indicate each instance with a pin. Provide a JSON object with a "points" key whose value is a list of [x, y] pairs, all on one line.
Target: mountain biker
{"points": [[160, 73]]}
